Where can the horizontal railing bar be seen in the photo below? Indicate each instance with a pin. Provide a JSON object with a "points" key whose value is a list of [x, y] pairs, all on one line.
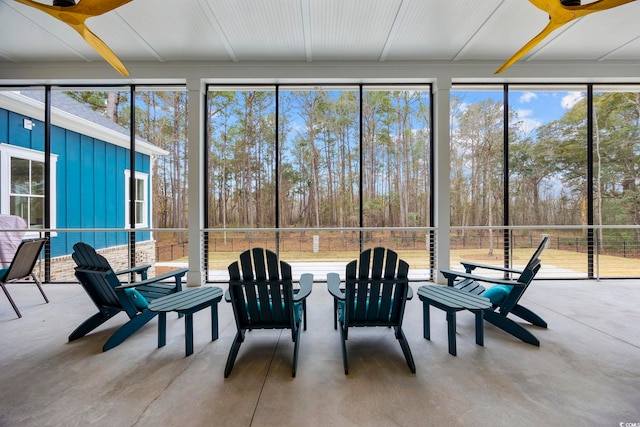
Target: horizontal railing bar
{"points": [[314, 229]]}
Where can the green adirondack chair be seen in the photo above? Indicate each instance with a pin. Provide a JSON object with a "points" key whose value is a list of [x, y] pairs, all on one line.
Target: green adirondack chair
{"points": [[262, 295], [112, 296], [505, 294], [374, 293]]}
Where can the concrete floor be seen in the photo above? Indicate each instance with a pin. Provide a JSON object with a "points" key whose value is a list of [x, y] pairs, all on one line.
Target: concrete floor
{"points": [[585, 373]]}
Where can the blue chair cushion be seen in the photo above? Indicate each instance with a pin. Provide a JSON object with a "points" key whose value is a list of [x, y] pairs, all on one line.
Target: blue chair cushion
{"points": [[297, 310], [3, 272], [341, 309], [497, 294], [136, 298]]}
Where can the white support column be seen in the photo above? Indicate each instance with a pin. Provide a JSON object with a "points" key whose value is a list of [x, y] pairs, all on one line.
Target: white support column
{"points": [[195, 180], [442, 214]]}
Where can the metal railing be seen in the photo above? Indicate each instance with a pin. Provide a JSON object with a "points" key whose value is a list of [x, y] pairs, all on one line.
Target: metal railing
{"points": [[573, 252]]}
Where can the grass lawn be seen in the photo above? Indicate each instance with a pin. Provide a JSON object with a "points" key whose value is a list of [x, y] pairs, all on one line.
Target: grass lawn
{"points": [[607, 266]]}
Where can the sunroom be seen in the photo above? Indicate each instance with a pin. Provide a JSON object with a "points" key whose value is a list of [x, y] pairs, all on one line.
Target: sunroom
{"points": [[318, 130]]}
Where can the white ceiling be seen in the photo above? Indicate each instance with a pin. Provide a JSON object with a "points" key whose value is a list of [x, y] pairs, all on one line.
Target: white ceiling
{"points": [[320, 30]]}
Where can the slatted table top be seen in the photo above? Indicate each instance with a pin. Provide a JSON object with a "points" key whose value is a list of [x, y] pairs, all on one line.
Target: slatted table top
{"points": [[187, 299], [453, 298]]}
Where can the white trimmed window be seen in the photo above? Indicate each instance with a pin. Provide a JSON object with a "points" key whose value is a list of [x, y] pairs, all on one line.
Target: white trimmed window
{"points": [[141, 198], [22, 185]]}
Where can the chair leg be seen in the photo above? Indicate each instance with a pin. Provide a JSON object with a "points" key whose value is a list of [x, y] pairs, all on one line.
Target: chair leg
{"points": [[343, 341], [92, 322], [304, 313], [335, 313], [528, 315], [511, 327], [13, 304], [405, 349], [233, 353], [35, 279], [126, 330], [296, 345]]}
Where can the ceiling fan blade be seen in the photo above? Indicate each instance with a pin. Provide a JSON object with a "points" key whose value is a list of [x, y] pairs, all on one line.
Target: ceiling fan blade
{"points": [[598, 6], [557, 10], [530, 45], [96, 7], [75, 16], [86, 8], [43, 7], [99, 46], [560, 15]]}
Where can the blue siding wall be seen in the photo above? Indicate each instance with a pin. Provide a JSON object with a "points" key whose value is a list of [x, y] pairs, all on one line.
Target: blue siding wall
{"points": [[90, 186], [4, 125]]}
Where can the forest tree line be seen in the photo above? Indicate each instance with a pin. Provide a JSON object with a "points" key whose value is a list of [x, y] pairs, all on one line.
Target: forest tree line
{"points": [[320, 169], [547, 166], [320, 163]]}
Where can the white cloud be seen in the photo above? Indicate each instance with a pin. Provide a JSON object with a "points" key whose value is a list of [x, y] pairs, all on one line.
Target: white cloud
{"points": [[463, 106], [527, 122], [529, 125], [528, 97], [524, 113], [571, 99]]}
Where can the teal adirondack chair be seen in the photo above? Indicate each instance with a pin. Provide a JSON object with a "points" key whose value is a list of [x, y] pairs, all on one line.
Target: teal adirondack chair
{"points": [[111, 296], [374, 293], [505, 294], [262, 295]]}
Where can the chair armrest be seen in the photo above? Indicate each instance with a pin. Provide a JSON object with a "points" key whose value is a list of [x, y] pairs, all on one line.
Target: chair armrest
{"points": [[470, 266], [90, 270], [333, 286], [306, 285], [451, 275], [141, 270], [177, 273]]}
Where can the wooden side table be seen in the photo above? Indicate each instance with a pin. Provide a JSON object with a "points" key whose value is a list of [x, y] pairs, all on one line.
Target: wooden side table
{"points": [[187, 302], [452, 300]]}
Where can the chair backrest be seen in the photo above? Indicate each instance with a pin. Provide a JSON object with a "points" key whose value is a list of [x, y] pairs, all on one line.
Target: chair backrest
{"points": [[536, 255], [25, 259], [376, 287], [526, 277], [10, 240], [98, 278], [261, 291]]}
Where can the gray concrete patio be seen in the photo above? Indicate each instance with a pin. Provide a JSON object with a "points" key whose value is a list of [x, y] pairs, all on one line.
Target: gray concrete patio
{"points": [[585, 373]]}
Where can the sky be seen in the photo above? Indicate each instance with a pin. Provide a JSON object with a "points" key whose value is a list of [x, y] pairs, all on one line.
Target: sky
{"points": [[537, 108], [534, 108]]}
